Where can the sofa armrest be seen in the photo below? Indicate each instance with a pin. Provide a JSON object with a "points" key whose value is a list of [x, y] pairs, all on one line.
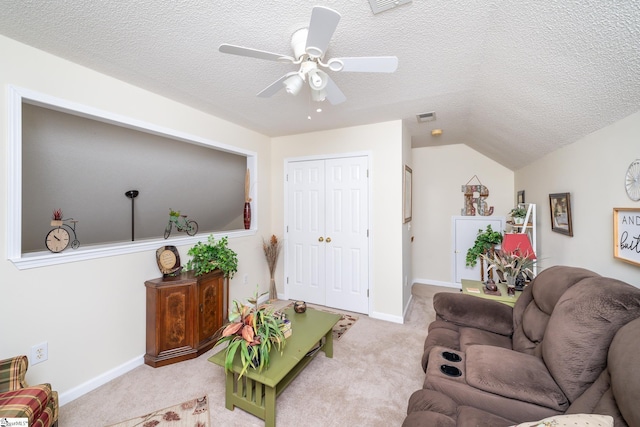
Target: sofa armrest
{"points": [[471, 311], [513, 375], [13, 372]]}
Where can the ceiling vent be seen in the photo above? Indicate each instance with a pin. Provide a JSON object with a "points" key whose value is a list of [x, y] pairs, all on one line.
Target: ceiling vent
{"points": [[426, 117], [378, 6]]}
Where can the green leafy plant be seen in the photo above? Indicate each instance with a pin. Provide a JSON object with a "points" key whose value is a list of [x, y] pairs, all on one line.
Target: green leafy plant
{"points": [[518, 212], [212, 255], [173, 213], [485, 240], [251, 334]]}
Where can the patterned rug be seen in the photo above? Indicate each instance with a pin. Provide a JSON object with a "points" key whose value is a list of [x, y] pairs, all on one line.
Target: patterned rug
{"points": [[194, 413], [343, 325]]}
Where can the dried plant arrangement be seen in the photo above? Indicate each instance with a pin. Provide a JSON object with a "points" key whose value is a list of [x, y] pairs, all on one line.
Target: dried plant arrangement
{"points": [[271, 252], [247, 185]]}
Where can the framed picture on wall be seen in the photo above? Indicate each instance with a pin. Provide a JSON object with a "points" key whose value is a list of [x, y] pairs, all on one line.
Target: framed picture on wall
{"points": [[560, 207], [521, 197], [626, 235], [406, 195]]}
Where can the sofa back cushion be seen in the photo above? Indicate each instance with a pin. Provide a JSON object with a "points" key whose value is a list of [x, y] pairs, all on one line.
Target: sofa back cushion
{"points": [[534, 307], [581, 329], [616, 392]]}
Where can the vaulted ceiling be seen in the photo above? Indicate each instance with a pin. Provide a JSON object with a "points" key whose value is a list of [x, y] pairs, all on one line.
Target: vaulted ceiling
{"points": [[512, 79]]}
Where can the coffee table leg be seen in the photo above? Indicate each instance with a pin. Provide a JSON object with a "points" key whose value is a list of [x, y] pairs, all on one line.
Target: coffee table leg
{"points": [[228, 398], [269, 406], [328, 344]]}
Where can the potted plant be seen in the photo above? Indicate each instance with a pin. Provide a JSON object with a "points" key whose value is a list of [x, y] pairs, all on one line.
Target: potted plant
{"points": [[518, 214], [511, 266], [253, 330], [56, 218], [485, 241], [212, 255]]}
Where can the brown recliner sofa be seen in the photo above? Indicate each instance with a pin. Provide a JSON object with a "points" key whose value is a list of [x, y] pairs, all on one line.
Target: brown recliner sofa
{"points": [[488, 364]]}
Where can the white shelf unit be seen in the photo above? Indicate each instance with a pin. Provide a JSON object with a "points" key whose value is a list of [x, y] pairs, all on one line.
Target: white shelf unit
{"points": [[528, 227]]}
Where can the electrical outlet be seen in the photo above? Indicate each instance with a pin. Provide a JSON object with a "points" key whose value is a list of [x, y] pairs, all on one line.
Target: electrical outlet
{"points": [[39, 353]]}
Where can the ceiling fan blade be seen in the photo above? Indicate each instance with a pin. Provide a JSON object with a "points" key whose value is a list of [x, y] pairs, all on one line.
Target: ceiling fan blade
{"points": [[254, 53], [364, 64], [322, 25], [274, 87], [334, 94]]}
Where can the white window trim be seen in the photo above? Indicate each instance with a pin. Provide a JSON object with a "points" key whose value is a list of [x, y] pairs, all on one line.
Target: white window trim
{"points": [[18, 96]]}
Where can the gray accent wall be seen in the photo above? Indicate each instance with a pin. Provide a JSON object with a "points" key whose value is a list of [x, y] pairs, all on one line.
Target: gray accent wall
{"points": [[84, 167]]}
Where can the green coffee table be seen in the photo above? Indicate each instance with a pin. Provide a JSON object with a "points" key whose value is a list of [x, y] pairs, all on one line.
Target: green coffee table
{"points": [[256, 392]]}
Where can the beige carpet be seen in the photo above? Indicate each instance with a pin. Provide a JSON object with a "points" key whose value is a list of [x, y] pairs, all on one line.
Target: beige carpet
{"points": [[344, 324], [374, 369], [192, 413]]}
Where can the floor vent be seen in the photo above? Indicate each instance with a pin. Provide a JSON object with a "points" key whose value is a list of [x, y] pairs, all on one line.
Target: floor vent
{"points": [[378, 6], [426, 117]]}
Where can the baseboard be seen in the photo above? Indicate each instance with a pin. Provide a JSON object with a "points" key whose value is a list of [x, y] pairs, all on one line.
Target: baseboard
{"points": [[406, 307], [96, 382], [387, 317], [436, 283]]}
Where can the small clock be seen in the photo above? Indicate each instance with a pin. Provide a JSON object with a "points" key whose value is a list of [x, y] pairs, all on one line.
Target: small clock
{"points": [[57, 240], [632, 181], [168, 260]]}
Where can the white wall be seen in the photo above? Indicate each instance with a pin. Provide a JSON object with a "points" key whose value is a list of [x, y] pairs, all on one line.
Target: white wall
{"points": [[384, 142], [592, 170], [438, 174], [92, 313]]}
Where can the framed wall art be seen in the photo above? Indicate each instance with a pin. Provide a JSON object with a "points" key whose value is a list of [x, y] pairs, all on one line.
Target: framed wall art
{"points": [[406, 195], [560, 207], [626, 234], [520, 197]]}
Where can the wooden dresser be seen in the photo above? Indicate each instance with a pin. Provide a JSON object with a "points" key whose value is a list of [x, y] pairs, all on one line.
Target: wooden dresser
{"points": [[183, 315]]}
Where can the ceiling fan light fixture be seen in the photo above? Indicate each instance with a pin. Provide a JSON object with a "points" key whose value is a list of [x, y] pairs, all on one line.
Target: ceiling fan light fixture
{"points": [[317, 79], [318, 95], [293, 84]]}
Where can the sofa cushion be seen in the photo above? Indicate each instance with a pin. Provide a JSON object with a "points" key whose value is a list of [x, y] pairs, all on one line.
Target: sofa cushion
{"points": [[533, 309], [471, 311], [464, 394], [513, 375], [472, 336], [581, 329], [28, 402], [590, 420], [625, 375]]}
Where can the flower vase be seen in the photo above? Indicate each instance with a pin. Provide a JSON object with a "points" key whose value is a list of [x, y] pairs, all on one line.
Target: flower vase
{"points": [[273, 292], [247, 215]]}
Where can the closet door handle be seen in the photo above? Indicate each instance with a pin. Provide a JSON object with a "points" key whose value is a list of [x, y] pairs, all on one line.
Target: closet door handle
{"points": [[328, 239], [320, 239]]}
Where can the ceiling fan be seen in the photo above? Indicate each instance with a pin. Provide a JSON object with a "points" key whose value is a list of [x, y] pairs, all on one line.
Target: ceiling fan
{"points": [[309, 47]]}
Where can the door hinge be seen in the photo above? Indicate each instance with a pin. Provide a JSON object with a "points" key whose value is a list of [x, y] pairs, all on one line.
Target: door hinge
{"points": [[367, 232], [367, 293], [367, 173], [287, 280]]}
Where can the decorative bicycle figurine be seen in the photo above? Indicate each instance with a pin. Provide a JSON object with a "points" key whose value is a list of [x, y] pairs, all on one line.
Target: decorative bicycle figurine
{"points": [[181, 223], [59, 238]]}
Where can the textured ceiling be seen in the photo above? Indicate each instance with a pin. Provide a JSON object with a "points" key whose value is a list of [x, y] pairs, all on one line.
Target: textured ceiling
{"points": [[511, 79]]}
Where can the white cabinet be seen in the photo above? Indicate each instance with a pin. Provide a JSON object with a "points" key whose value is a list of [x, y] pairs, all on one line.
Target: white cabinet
{"points": [[465, 229]]}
